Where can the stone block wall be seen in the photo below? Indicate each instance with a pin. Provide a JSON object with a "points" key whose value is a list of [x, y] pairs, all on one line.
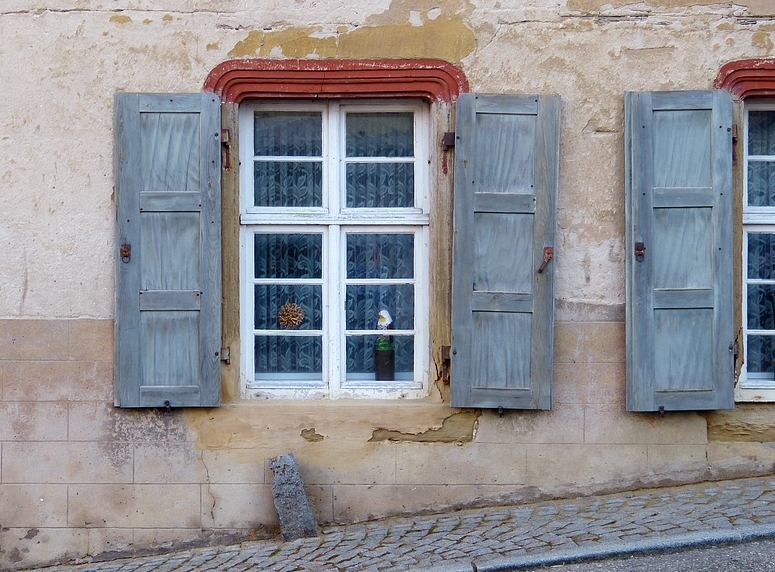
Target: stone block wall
{"points": [[80, 478]]}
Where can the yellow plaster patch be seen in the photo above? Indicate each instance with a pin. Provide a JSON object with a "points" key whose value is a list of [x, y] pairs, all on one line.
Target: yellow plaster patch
{"points": [[444, 38], [167, 18], [457, 428], [762, 40], [725, 26], [311, 435], [767, 27], [579, 26], [758, 7], [147, 21], [746, 422], [400, 11], [211, 46], [120, 18]]}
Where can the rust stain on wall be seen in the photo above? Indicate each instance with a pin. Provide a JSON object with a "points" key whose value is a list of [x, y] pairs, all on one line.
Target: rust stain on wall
{"points": [[444, 38], [457, 428]]}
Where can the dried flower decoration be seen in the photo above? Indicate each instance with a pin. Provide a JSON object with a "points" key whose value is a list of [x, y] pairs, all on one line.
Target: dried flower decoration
{"points": [[290, 315]]}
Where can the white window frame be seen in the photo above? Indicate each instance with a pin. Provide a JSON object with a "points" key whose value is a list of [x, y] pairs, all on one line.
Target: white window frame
{"points": [[752, 387], [334, 221]]}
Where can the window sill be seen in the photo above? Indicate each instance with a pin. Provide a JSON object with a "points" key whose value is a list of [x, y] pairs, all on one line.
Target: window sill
{"points": [[755, 394]]}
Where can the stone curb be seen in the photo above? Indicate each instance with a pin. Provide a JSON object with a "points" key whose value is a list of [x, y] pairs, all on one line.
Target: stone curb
{"points": [[602, 551]]}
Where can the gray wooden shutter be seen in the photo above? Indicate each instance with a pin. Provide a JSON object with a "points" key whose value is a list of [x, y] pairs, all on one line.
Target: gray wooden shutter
{"points": [[506, 177], [168, 269], [679, 250]]}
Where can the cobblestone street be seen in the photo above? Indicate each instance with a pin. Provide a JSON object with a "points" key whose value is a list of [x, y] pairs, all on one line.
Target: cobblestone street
{"points": [[500, 538]]}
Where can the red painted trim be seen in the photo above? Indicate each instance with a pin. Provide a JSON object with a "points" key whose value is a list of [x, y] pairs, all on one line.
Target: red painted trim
{"points": [[432, 80], [747, 78]]}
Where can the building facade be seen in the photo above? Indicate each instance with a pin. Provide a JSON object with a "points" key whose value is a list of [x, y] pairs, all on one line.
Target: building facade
{"points": [[232, 231]]}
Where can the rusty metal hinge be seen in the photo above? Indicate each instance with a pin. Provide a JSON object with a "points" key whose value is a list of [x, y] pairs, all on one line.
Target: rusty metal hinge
{"points": [[448, 140], [445, 364], [226, 355], [226, 146]]}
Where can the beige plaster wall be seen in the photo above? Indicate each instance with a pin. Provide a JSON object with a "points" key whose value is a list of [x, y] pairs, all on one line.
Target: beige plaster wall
{"points": [[79, 477]]}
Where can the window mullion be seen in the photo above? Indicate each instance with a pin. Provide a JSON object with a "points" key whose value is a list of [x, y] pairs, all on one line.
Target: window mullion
{"points": [[334, 327]]}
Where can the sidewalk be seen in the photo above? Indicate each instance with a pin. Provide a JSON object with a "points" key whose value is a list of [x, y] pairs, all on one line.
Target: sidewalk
{"points": [[500, 538]]}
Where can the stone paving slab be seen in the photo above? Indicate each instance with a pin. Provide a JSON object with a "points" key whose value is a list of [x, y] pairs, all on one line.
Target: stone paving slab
{"points": [[499, 538]]}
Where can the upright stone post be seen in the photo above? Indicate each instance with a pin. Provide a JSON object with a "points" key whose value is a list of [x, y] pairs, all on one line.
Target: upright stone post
{"points": [[297, 519]]}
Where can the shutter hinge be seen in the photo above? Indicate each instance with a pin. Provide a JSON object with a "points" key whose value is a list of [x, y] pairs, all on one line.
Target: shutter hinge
{"points": [[735, 349], [734, 143], [446, 142], [445, 364], [226, 147], [226, 355]]}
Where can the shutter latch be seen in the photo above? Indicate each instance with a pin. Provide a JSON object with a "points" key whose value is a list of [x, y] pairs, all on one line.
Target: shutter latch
{"points": [[548, 254], [125, 252], [640, 251]]}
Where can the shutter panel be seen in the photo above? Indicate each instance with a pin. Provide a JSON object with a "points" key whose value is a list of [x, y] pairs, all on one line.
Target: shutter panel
{"points": [[168, 290], [679, 291], [506, 177]]}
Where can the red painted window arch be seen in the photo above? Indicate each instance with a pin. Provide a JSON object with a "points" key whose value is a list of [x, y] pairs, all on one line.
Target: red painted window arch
{"points": [[747, 78], [432, 80]]}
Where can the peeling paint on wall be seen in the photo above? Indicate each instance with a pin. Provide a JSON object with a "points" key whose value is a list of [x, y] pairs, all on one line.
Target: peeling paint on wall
{"points": [[120, 18], [762, 40], [457, 428], [444, 38], [756, 6], [746, 423], [311, 435]]}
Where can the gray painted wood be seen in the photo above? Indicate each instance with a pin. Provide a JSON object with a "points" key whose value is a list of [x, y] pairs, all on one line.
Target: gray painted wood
{"points": [[168, 208], [678, 161], [169, 300], [506, 181]]}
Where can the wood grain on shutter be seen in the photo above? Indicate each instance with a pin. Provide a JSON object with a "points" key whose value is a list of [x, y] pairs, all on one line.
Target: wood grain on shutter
{"points": [[168, 209], [506, 177], [679, 293]]}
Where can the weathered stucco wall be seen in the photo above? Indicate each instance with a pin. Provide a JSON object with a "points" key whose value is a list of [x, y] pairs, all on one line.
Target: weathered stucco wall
{"points": [[79, 477]]}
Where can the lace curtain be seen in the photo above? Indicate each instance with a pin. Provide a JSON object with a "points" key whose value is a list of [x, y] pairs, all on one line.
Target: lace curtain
{"points": [[288, 172], [761, 301]]}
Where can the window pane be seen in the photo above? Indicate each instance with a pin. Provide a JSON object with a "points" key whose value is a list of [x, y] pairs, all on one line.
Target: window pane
{"points": [[364, 303], [380, 256], [361, 353], [288, 255], [761, 306], [380, 134], [289, 354], [288, 134], [380, 185], [758, 358], [291, 307], [761, 183], [761, 255], [761, 132], [287, 184]]}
